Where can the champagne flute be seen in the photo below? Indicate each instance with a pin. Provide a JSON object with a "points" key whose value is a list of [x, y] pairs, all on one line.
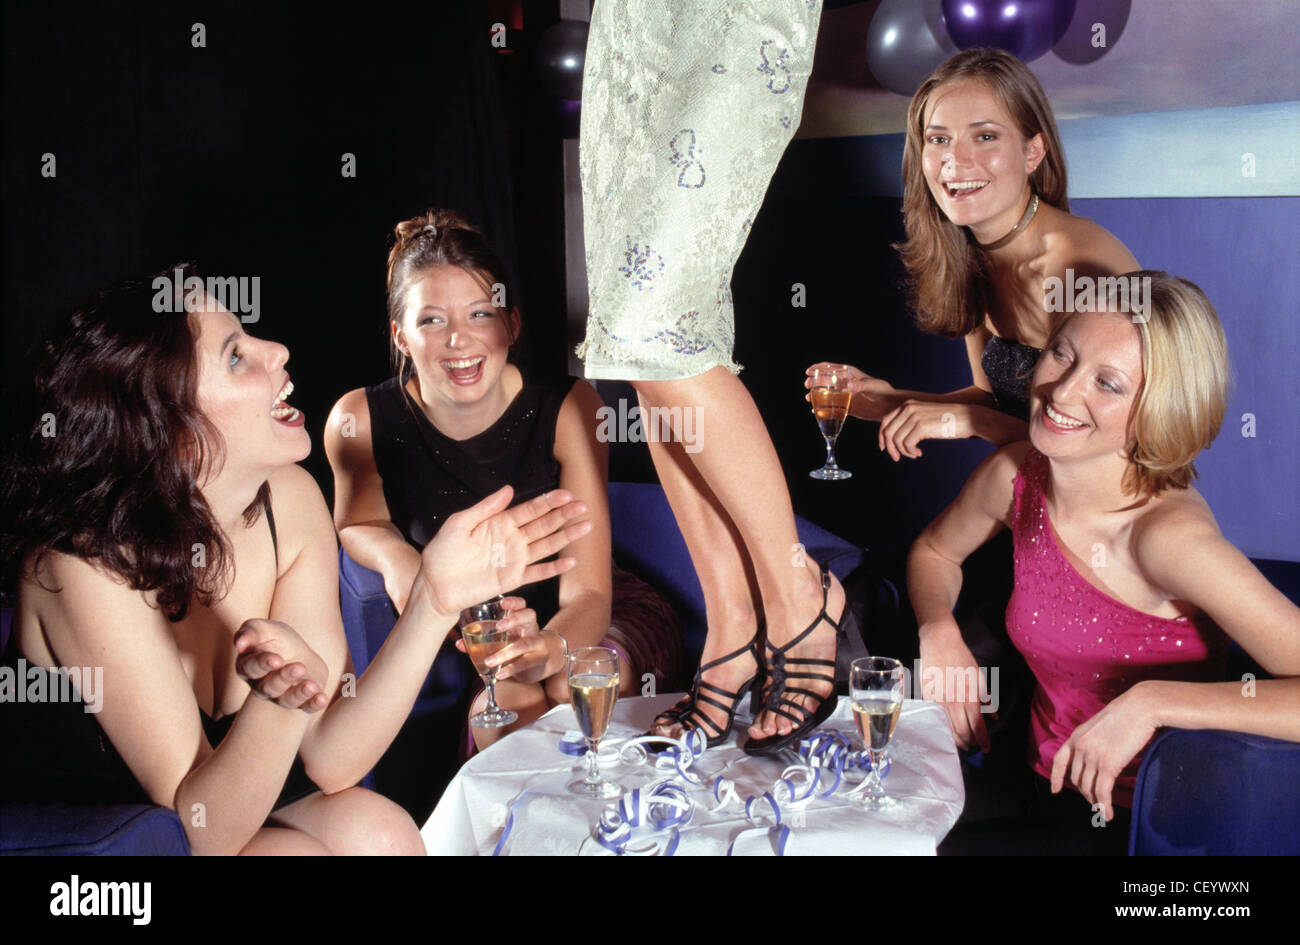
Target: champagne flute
{"points": [[478, 628], [593, 687], [876, 688], [830, 405]]}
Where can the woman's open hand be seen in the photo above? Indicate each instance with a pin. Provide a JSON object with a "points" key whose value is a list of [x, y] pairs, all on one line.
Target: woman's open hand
{"points": [[278, 665], [1097, 752], [873, 397], [488, 549]]}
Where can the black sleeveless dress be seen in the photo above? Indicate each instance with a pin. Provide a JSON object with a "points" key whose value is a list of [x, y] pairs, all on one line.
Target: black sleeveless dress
{"points": [[57, 751], [427, 477]]}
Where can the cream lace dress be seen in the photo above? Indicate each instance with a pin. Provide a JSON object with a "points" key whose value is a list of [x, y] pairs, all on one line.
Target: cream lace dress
{"points": [[687, 106]]}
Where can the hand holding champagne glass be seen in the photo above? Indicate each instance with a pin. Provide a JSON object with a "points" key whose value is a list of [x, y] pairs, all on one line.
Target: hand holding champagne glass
{"points": [[830, 397], [876, 687], [593, 687], [479, 630]]}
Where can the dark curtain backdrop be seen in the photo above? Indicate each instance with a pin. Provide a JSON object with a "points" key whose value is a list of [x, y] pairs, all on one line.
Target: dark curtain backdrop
{"points": [[231, 156]]}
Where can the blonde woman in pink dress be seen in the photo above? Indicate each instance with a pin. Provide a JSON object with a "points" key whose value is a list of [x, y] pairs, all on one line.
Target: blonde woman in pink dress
{"points": [[1126, 592]]}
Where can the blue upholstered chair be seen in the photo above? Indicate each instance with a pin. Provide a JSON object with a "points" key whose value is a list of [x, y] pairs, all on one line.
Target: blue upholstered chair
{"points": [[90, 830], [1221, 793], [1217, 793]]}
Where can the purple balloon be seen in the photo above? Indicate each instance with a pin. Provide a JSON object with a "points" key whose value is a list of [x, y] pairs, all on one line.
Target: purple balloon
{"points": [[1024, 28], [561, 54], [902, 47]]}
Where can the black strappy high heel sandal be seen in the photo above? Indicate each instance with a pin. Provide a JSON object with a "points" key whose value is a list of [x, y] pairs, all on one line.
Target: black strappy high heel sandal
{"points": [[778, 699], [687, 713]]}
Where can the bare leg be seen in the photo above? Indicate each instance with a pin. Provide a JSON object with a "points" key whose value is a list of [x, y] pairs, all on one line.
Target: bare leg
{"points": [[355, 822], [283, 841], [723, 567], [739, 466]]}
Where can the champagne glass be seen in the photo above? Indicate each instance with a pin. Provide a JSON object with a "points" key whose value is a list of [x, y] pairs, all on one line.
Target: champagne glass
{"points": [[593, 687], [478, 628], [876, 688], [830, 405]]}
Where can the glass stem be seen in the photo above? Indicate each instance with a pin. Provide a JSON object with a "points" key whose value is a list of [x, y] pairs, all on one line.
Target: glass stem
{"points": [[874, 787], [830, 451], [593, 764], [492, 707]]}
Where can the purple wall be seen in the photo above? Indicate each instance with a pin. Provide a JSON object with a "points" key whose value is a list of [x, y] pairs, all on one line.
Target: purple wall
{"points": [[1243, 252]]}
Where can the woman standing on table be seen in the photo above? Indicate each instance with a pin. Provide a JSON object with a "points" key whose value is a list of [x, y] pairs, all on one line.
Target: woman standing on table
{"points": [[1123, 579], [161, 531], [687, 108], [988, 223], [460, 419]]}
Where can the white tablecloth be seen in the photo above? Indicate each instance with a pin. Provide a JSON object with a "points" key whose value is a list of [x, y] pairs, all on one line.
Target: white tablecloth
{"points": [[925, 778]]}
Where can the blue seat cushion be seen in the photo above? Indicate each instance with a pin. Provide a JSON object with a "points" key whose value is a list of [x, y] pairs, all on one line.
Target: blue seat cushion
{"points": [[1217, 793], [90, 830]]}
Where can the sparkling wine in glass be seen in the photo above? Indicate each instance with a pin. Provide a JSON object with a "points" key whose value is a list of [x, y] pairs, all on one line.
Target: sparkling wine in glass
{"points": [[593, 688], [830, 405], [876, 688], [478, 628]]}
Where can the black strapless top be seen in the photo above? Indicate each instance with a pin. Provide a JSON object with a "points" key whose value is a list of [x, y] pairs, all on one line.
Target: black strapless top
{"points": [[57, 751], [427, 476], [1009, 366]]}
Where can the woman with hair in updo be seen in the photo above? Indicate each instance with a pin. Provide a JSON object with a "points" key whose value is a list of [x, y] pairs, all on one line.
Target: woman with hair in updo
{"points": [[461, 417], [158, 528], [1125, 591]]}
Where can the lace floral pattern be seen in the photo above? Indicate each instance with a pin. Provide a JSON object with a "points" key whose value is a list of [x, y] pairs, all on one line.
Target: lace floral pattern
{"points": [[687, 107]]}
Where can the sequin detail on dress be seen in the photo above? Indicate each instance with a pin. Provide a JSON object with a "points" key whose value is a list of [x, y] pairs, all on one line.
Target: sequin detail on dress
{"points": [[1009, 365], [642, 264], [682, 129], [1084, 647], [686, 156], [775, 66]]}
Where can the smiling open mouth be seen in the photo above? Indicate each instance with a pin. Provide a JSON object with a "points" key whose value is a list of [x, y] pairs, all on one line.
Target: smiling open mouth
{"points": [[963, 188], [281, 411], [464, 371], [1061, 420]]}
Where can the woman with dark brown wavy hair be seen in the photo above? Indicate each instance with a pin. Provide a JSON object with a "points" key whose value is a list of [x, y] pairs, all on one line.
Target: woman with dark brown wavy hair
{"points": [[988, 224], [159, 530]]}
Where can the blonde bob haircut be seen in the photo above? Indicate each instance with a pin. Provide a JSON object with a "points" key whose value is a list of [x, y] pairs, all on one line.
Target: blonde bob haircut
{"points": [[1184, 394]]}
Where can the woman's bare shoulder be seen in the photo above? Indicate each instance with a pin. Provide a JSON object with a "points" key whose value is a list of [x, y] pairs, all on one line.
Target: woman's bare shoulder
{"points": [[1086, 247]]}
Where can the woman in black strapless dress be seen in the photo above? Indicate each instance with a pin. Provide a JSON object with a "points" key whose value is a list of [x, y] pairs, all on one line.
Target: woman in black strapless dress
{"points": [[988, 234]]}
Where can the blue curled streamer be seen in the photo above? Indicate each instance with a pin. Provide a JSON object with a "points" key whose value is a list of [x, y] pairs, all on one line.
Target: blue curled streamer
{"points": [[665, 805], [662, 805]]}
